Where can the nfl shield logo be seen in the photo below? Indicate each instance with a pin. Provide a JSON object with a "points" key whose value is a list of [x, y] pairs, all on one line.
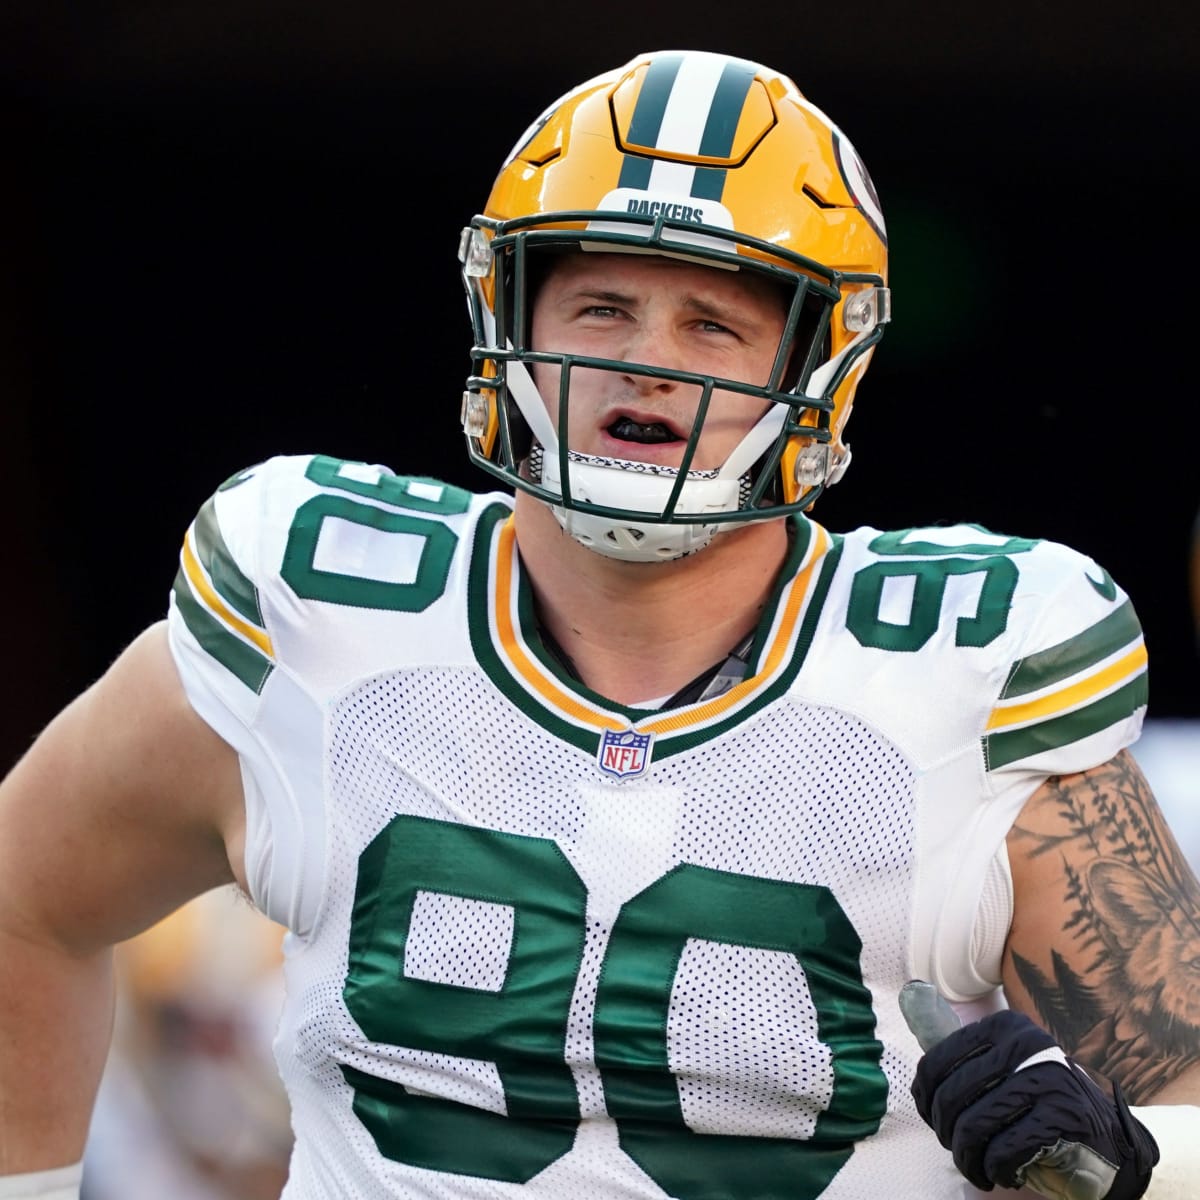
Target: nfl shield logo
{"points": [[624, 753]]}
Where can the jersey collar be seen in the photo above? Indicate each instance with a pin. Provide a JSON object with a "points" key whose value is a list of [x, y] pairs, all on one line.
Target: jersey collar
{"points": [[509, 648]]}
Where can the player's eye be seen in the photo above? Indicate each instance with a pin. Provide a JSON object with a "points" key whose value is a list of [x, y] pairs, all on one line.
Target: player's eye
{"points": [[716, 327]]}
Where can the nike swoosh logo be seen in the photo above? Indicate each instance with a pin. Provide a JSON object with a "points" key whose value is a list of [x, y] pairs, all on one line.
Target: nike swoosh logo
{"points": [[1104, 586]]}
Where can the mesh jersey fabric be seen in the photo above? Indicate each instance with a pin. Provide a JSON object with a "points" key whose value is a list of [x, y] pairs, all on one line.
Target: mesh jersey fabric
{"points": [[545, 946]]}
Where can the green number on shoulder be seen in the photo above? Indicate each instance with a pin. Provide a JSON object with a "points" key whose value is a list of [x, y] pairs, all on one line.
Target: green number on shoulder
{"points": [[897, 542], [929, 576], [422, 495], [436, 540]]}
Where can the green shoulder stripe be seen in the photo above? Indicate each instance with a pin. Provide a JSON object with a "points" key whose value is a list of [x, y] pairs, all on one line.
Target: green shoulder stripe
{"points": [[1075, 655], [1010, 745], [242, 660], [227, 577]]}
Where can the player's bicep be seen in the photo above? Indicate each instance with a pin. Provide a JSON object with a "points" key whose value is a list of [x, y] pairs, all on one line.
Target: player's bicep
{"points": [[1104, 948], [120, 811]]}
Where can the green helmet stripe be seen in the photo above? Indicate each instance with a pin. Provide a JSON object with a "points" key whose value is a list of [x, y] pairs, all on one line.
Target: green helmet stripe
{"points": [[709, 183], [721, 126], [716, 138], [647, 119], [726, 110], [651, 106], [635, 172]]}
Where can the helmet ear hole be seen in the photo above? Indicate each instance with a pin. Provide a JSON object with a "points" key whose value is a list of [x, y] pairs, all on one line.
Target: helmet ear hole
{"points": [[811, 467], [803, 469]]}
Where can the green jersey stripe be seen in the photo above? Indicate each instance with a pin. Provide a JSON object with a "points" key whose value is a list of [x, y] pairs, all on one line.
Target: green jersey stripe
{"points": [[240, 659], [801, 535], [479, 627], [1000, 749], [816, 602], [227, 578], [527, 624], [1075, 655]]}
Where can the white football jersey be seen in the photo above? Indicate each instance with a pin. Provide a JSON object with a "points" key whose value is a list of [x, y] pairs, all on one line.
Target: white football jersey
{"points": [[544, 945]]}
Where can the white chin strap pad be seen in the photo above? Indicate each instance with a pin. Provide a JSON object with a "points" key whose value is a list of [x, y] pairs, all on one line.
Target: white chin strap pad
{"points": [[633, 541], [613, 484]]}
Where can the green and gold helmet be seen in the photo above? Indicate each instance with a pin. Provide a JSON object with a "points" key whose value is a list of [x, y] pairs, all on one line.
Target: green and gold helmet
{"points": [[714, 160]]}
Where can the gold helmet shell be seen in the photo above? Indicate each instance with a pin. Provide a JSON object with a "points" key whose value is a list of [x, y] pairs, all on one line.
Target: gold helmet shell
{"points": [[711, 158]]}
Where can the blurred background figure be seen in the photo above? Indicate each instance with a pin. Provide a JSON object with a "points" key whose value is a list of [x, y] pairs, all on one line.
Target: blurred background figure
{"points": [[191, 1106]]}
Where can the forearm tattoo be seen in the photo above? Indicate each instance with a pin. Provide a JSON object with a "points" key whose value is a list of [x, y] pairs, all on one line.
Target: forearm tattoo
{"points": [[1123, 990]]}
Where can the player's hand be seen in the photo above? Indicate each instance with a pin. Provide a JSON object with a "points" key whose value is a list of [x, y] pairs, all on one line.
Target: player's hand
{"points": [[1014, 1111]]}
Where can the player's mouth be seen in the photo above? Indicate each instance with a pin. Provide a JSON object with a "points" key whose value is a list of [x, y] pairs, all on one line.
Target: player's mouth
{"points": [[644, 433]]}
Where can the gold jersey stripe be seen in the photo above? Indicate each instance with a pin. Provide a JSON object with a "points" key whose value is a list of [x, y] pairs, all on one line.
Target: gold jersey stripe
{"points": [[509, 641], [205, 591], [1070, 697]]}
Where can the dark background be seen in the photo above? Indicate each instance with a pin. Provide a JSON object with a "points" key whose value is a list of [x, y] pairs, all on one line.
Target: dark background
{"points": [[229, 229]]}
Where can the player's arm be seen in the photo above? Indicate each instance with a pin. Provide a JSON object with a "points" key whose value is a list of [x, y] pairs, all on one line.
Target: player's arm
{"points": [[126, 806], [1104, 948], [1101, 970]]}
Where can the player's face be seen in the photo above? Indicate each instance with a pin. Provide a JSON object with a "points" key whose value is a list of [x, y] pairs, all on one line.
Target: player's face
{"points": [[662, 312]]}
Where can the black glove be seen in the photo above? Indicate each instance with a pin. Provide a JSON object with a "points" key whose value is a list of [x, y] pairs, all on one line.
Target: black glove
{"points": [[1046, 1125]]}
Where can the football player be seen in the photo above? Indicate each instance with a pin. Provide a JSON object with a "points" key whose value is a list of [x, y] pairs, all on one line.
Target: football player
{"points": [[610, 812]]}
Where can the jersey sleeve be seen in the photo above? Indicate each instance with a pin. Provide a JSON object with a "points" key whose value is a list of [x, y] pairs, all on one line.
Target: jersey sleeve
{"points": [[1065, 691], [1076, 695], [298, 577], [220, 634], [218, 631]]}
